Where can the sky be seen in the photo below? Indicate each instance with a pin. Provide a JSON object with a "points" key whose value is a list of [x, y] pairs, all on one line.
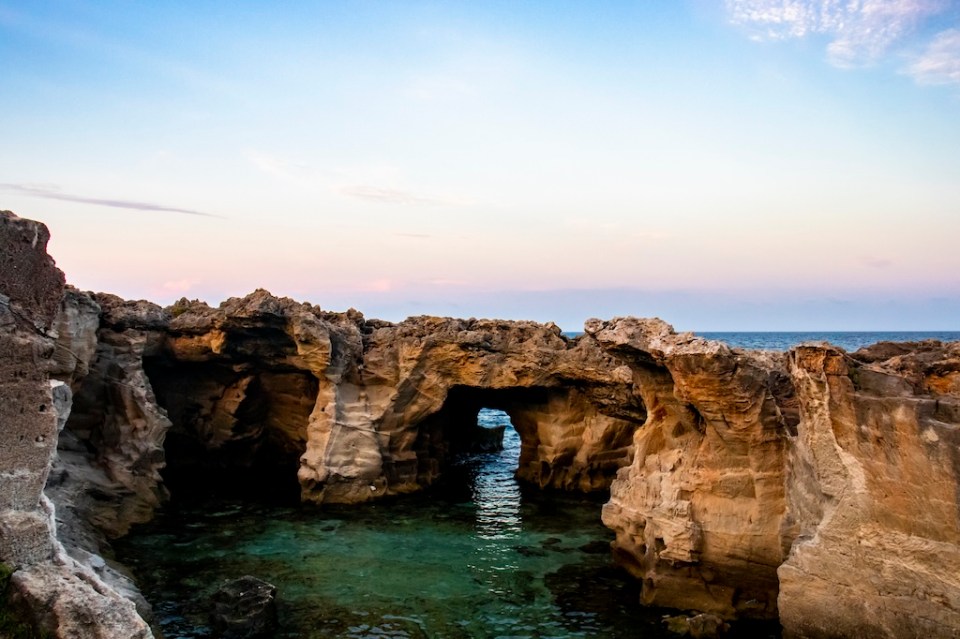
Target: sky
{"points": [[723, 165]]}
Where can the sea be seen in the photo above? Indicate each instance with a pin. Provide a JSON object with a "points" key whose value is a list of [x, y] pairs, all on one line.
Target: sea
{"points": [[847, 340], [477, 557]]}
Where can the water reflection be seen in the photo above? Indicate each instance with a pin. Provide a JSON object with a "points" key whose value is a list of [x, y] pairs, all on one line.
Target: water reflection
{"points": [[493, 487], [477, 562]]}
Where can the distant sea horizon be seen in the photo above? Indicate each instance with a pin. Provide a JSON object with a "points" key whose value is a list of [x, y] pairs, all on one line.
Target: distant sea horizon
{"points": [[784, 340]]}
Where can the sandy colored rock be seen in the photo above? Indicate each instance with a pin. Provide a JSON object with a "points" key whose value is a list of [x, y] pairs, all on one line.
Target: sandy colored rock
{"points": [[368, 409], [701, 514], [874, 488], [68, 602]]}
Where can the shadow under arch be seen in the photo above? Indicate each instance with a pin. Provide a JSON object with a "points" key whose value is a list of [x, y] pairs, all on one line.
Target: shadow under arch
{"points": [[565, 442]]}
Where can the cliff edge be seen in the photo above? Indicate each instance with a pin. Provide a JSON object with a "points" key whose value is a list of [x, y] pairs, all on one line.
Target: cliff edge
{"points": [[54, 592]]}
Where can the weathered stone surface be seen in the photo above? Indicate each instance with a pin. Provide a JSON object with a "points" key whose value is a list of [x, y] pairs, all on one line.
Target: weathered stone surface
{"points": [[700, 515], [69, 602], [111, 452], [30, 282], [62, 597], [75, 328], [875, 470], [30, 290], [367, 409], [818, 485]]}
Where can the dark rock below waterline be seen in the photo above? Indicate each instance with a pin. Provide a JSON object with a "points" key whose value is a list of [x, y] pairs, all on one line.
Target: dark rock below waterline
{"points": [[244, 608]]}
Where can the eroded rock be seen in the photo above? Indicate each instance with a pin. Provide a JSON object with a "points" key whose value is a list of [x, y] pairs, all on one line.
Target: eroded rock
{"points": [[60, 596], [875, 469], [367, 409], [701, 514]]}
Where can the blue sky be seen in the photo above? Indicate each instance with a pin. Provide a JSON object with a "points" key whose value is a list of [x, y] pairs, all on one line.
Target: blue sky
{"points": [[749, 164]]}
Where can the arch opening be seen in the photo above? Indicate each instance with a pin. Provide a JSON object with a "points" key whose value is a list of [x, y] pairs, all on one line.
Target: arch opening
{"points": [[564, 442]]}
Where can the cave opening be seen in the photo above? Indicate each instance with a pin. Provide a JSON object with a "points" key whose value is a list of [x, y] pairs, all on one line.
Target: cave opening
{"points": [[236, 433]]}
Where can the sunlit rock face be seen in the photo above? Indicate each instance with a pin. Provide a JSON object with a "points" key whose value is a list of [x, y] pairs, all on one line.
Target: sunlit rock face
{"points": [[873, 487], [361, 409], [816, 485], [701, 515]]}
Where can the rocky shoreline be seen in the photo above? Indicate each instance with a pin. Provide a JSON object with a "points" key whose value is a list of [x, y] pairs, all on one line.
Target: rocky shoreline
{"points": [[816, 486]]}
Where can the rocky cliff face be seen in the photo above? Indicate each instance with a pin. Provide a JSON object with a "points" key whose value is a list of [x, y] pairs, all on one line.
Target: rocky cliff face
{"points": [[701, 514], [60, 595], [817, 486], [874, 489]]}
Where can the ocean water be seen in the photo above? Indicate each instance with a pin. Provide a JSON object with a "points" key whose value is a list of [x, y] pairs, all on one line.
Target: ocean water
{"points": [[848, 340], [477, 558]]}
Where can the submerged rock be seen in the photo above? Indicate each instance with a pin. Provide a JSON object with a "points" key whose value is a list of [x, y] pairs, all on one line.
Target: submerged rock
{"points": [[244, 608], [702, 626]]}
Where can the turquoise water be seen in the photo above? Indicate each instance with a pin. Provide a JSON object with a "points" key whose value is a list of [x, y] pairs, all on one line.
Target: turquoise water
{"points": [[477, 558]]}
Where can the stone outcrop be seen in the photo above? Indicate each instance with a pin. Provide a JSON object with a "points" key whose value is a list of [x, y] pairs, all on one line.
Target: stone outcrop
{"points": [[244, 608], [108, 468], [817, 486], [363, 409], [59, 595], [30, 290], [701, 514], [873, 484]]}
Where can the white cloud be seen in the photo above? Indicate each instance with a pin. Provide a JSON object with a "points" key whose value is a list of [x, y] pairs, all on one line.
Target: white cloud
{"points": [[940, 62], [398, 196], [357, 182], [862, 31]]}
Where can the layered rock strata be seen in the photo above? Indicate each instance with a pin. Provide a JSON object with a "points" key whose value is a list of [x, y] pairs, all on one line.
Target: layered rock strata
{"points": [[701, 514], [59, 595], [817, 486], [362, 409], [874, 487]]}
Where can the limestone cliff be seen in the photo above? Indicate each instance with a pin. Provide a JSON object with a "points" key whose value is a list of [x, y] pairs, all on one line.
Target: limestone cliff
{"points": [[701, 514], [817, 486], [58, 594], [362, 409], [874, 487]]}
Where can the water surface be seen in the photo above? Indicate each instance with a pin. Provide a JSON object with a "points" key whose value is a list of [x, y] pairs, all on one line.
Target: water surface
{"points": [[478, 558]]}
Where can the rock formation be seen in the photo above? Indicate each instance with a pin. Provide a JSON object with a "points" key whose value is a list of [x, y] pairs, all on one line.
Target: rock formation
{"points": [[701, 514], [361, 409], [817, 486], [874, 489], [56, 593]]}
